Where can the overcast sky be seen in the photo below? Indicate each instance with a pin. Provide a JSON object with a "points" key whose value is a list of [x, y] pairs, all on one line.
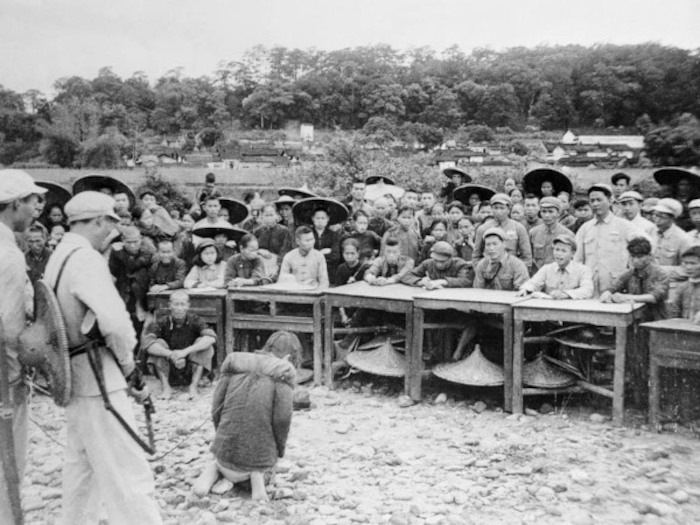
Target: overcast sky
{"points": [[43, 40]]}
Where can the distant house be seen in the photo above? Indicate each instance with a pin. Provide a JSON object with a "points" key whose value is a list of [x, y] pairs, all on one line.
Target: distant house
{"points": [[578, 150]]}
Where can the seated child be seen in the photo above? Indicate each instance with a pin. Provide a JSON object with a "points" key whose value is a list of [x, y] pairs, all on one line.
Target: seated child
{"points": [[304, 264], [369, 241], [687, 300], [168, 272], [179, 346], [208, 270], [246, 268], [252, 413], [389, 268], [350, 271]]}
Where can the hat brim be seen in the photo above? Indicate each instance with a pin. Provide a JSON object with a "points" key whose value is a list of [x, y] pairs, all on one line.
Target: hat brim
{"points": [[304, 209], [451, 172], [666, 176], [383, 361], [541, 373], [532, 181], [237, 211], [55, 193], [475, 370], [97, 182], [304, 375], [375, 191], [296, 193], [465, 191], [585, 337], [374, 179], [209, 232]]}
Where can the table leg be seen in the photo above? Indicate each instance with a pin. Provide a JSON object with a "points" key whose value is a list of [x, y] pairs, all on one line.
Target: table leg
{"points": [[229, 341], [328, 344], [414, 352], [517, 403], [654, 393], [318, 343], [508, 360], [619, 374]]}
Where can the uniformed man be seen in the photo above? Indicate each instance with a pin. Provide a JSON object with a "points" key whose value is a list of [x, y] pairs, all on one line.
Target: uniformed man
{"points": [[542, 236], [102, 462], [630, 203], [19, 197]]}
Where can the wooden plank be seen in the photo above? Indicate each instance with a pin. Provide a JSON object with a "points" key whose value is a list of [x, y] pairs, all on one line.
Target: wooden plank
{"points": [[673, 325], [363, 290], [584, 305]]}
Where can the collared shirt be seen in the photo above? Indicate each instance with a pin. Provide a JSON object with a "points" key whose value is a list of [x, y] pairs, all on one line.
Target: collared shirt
{"points": [[651, 280], [517, 241], [648, 227], [309, 269], [36, 264], [509, 273], [528, 224], [211, 276], [13, 283], [575, 280], [86, 286], [602, 246], [686, 303], [171, 274], [669, 246], [457, 274], [239, 266], [542, 238], [381, 268]]}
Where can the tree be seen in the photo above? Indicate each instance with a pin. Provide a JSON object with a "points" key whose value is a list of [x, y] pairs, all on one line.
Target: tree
{"points": [[59, 149], [675, 145]]}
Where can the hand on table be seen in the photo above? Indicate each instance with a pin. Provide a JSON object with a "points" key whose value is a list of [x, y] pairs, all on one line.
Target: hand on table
{"points": [[558, 295], [156, 288], [621, 297], [606, 297]]}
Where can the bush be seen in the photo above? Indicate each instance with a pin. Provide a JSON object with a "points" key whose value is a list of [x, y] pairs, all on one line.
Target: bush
{"points": [[479, 133], [519, 148], [104, 153], [59, 149]]}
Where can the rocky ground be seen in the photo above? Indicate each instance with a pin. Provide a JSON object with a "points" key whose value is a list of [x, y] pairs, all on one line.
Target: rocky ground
{"points": [[456, 458]]}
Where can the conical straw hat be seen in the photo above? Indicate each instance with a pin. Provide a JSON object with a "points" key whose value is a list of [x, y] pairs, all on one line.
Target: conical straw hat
{"points": [[586, 337], [384, 361], [474, 370], [304, 375], [392, 337], [541, 373]]}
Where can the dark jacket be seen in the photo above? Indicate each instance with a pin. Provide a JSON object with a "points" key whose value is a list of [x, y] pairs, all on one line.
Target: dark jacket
{"points": [[172, 274], [458, 274], [252, 411]]}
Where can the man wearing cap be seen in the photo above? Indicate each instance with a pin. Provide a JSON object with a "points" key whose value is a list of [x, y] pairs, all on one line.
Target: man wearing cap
{"points": [[102, 462], [563, 278], [498, 270], [542, 236], [441, 270], [670, 240], [694, 213], [19, 197], [517, 241], [686, 304], [602, 241], [647, 209], [630, 206]]}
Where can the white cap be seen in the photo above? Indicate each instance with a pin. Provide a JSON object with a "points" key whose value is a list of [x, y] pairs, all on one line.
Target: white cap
{"points": [[88, 205], [17, 184]]}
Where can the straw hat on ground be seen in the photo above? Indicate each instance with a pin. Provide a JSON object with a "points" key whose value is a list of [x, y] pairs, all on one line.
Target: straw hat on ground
{"points": [[542, 373], [384, 361], [475, 370]]}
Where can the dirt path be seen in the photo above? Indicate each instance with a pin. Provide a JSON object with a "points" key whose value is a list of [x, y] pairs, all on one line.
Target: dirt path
{"points": [[356, 457]]}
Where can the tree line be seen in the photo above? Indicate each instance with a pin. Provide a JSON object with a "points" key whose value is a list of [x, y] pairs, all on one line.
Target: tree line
{"points": [[419, 91]]}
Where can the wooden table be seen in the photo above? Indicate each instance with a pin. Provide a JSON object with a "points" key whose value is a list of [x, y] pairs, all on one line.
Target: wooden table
{"points": [[673, 343], [588, 311], [209, 305], [274, 295], [466, 300], [397, 298]]}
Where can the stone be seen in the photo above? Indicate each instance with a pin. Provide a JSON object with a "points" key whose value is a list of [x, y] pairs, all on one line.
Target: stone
{"points": [[546, 408], [405, 402], [362, 452], [492, 474], [661, 509], [221, 487], [343, 429], [680, 496], [545, 492], [597, 418], [207, 518], [531, 412], [441, 399], [284, 493], [479, 407], [579, 476]]}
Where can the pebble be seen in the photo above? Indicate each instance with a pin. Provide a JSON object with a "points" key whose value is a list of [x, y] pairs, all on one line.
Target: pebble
{"points": [[405, 402], [441, 399], [597, 418], [343, 429], [546, 408], [680, 496], [531, 412], [579, 476], [207, 518], [479, 407], [362, 452], [221, 487]]}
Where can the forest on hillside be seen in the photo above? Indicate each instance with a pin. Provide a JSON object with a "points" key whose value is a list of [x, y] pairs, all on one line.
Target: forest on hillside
{"points": [[416, 94]]}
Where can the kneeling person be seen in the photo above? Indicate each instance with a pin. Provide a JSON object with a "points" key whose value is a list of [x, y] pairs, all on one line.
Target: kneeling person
{"points": [[180, 345]]}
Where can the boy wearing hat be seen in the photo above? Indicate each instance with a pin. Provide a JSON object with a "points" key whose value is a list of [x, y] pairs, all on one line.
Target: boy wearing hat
{"points": [[630, 206], [686, 304], [517, 240], [563, 278], [694, 213], [19, 198], [102, 462], [441, 270], [602, 241], [543, 235]]}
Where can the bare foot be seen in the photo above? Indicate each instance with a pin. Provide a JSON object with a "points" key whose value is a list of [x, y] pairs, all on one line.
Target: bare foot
{"points": [[206, 480], [257, 483], [193, 392]]}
